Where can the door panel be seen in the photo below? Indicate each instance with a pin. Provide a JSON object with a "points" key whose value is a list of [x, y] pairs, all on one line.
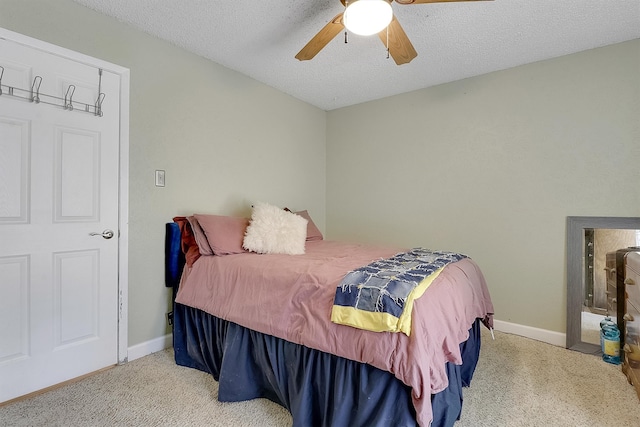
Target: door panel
{"points": [[76, 289], [15, 275], [77, 175], [14, 171], [58, 183]]}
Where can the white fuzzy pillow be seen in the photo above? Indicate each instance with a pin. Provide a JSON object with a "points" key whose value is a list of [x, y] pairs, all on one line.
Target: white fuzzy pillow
{"points": [[275, 231]]}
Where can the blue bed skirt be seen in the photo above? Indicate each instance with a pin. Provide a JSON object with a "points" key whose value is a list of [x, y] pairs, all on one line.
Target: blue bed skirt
{"points": [[319, 389]]}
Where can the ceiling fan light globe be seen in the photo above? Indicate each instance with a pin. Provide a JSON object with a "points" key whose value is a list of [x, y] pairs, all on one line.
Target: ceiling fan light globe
{"points": [[367, 17]]}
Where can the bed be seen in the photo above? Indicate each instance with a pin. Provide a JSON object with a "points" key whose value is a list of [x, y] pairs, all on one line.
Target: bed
{"points": [[260, 323]]}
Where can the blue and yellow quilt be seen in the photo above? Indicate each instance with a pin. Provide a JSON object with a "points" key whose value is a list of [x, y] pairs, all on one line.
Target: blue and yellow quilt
{"points": [[379, 296]]}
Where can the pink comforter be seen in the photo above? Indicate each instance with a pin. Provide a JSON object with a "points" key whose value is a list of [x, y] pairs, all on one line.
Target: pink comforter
{"points": [[290, 297]]}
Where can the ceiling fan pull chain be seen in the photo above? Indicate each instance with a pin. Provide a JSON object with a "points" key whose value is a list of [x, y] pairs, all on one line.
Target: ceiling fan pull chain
{"points": [[346, 39], [387, 42]]}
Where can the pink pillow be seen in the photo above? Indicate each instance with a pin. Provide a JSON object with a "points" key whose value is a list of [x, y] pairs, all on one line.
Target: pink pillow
{"points": [[201, 238], [224, 233], [313, 233]]}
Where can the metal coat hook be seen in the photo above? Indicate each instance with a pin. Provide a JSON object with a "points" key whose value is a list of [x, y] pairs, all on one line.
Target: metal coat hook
{"points": [[37, 81], [98, 104], [68, 102]]}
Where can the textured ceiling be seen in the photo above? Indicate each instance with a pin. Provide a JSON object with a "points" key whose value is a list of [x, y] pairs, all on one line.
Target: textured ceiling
{"points": [[453, 40]]}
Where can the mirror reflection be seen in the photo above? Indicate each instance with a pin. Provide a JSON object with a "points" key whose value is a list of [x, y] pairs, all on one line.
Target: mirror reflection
{"points": [[604, 251]]}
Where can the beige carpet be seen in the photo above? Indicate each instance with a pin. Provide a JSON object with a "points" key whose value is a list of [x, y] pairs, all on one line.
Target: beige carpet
{"points": [[519, 382]]}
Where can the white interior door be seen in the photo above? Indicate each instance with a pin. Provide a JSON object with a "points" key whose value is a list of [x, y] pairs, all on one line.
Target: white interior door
{"points": [[58, 184]]}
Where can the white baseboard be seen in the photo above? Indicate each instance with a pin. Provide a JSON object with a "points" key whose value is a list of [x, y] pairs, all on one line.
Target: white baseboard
{"points": [[550, 337], [143, 349]]}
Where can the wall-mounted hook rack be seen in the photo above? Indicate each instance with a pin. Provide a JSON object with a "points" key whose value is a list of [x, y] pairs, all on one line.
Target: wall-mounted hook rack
{"points": [[67, 103]]}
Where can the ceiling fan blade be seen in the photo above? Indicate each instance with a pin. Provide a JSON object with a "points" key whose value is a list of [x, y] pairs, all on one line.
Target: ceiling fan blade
{"points": [[320, 40], [400, 48], [431, 1]]}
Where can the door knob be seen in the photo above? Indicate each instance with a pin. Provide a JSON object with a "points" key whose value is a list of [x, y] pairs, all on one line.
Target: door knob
{"points": [[106, 234]]}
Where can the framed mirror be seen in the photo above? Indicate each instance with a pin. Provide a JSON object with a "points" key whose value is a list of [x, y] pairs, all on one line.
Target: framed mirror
{"points": [[582, 233]]}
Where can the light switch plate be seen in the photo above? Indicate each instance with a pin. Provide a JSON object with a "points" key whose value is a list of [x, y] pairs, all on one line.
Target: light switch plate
{"points": [[159, 178]]}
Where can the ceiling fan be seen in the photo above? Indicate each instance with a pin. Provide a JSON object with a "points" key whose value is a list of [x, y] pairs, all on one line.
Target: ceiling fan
{"points": [[392, 35]]}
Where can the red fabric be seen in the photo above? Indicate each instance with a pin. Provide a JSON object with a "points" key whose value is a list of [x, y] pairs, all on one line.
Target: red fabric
{"points": [[189, 244]]}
